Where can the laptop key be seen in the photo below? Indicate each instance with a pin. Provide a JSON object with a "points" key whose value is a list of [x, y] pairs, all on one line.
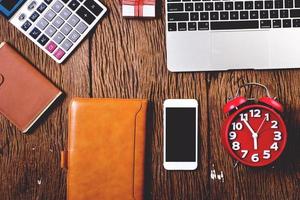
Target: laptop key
{"points": [[203, 26], [194, 16], [209, 6], [93, 7], [265, 24], [297, 3], [229, 5], [294, 13], [288, 3], [286, 23], [204, 16], [277, 23], [172, 27], [264, 14], [174, 7], [244, 15], [254, 14], [268, 4], [296, 23], [278, 3], [249, 5], [214, 16], [224, 15], [182, 26], [239, 5], [258, 5], [219, 6], [284, 13], [192, 26], [89, 18], [273, 13], [189, 7], [234, 15], [227, 25], [198, 6], [178, 16]]}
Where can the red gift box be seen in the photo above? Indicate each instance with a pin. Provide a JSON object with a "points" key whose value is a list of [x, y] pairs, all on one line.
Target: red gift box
{"points": [[138, 8]]}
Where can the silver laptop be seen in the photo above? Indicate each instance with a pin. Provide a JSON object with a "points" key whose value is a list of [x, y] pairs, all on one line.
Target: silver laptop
{"points": [[205, 35]]}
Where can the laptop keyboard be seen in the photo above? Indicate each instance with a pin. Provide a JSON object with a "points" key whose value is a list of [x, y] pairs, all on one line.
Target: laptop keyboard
{"points": [[203, 15], [59, 25]]}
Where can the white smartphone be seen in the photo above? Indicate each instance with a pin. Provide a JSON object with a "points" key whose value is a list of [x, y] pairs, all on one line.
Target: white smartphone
{"points": [[180, 134]]}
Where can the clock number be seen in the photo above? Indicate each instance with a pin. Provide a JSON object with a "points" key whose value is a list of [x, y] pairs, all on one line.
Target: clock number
{"points": [[255, 157], [245, 152], [274, 124], [237, 126], [277, 135], [236, 146], [244, 117], [267, 116], [274, 146], [255, 113], [232, 135], [267, 154]]}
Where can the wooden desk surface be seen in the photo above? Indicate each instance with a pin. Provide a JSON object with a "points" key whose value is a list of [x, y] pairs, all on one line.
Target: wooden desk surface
{"points": [[127, 59]]}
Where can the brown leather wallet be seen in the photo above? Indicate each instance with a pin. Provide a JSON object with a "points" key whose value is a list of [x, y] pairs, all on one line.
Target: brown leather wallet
{"points": [[106, 146], [25, 94]]}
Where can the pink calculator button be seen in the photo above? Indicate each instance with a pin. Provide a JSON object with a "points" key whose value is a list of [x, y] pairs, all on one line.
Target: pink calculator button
{"points": [[59, 54], [51, 47]]}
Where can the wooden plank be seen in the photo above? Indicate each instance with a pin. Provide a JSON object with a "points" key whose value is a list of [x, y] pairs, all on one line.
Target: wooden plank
{"points": [[277, 181], [30, 164], [128, 61]]}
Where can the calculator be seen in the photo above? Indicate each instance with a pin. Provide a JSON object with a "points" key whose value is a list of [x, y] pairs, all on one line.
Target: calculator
{"points": [[56, 26]]}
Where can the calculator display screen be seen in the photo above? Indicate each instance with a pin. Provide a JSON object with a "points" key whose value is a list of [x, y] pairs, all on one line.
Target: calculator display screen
{"points": [[9, 7]]}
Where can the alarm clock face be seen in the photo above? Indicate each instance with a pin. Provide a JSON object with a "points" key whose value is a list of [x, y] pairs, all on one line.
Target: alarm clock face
{"points": [[255, 135]]}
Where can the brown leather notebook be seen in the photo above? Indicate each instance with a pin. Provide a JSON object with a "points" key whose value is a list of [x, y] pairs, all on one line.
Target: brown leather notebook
{"points": [[24, 93], [106, 146]]}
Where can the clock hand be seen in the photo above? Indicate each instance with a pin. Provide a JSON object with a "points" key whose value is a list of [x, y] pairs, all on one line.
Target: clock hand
{"points": [[261, 125], [254, 134]]}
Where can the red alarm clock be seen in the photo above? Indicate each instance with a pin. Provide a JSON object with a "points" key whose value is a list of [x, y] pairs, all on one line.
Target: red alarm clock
{"points": [[254, 132]]}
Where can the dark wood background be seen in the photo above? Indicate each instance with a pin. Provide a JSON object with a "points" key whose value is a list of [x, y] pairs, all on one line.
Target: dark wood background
{"points": [[126, 58]]}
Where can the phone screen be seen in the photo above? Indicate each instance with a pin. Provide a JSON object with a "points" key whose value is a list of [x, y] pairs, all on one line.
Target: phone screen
{"points": [[180, 134]]}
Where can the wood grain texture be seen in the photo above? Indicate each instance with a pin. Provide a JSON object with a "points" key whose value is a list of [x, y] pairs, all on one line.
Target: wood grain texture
{"points": [[126, 58]]}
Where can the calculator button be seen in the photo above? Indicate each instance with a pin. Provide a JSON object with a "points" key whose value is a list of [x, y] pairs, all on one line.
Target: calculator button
{"points": [[65, 1], [59, 37], [85, 15], [32, 5], [73, 4], [65, 13], [73, 20], [93, 6], [74, 36], [43, 40], [58, 22], [50, 31], [81, 27], [34, 16], [26, 25], [59, 54], [41, 8], [57, 6], [67, 44], [51, 47], [42, 24], [66, 29], [50, 15], [48, 1], [35, 33], [22, 17]]}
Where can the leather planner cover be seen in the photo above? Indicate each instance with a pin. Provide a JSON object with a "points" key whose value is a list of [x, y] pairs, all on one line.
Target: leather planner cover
{"points": [[24, 93], [106, 147]]}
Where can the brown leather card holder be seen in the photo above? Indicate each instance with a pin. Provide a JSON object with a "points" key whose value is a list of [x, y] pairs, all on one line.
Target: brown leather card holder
{"points": [[106, 147], [25, 94]]}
